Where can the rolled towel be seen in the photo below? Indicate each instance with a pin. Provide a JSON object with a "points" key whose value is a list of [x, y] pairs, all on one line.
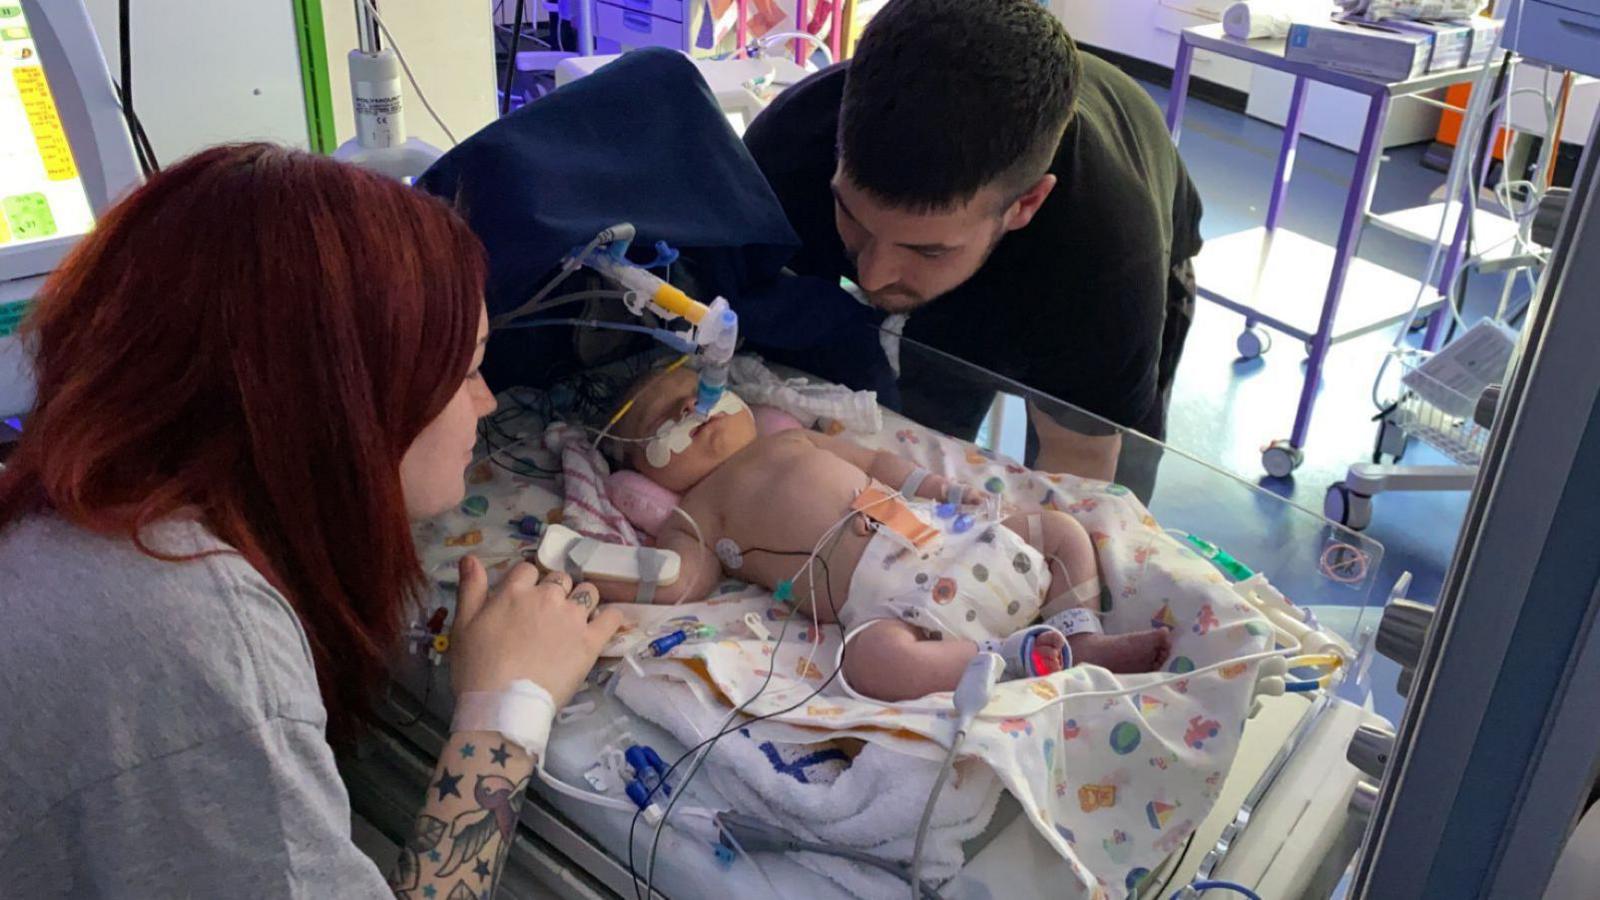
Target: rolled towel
{"points": [[1251, 19]]}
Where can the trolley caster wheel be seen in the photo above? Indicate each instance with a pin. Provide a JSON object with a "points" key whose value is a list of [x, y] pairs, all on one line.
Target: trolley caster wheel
{"points": [[1280, 459], [1252, 342], [1348, 508]]}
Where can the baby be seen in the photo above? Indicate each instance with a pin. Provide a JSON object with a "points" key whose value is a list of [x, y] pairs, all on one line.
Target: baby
{"points": [[919, 584]]}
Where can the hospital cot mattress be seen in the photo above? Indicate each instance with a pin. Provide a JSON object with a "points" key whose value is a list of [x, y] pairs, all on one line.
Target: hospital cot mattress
{"points": [[1158, 753]]}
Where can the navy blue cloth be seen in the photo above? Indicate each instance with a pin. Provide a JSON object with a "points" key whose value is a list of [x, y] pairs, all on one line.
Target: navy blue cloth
{"points": [[813, 325], [643, 141]]}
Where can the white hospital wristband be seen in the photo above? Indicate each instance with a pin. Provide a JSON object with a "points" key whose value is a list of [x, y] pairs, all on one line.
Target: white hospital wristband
{"points": [[913, 482], [521, 713]]}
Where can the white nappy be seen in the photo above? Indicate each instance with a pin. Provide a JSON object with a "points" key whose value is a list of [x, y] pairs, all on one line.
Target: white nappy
{"points": [[979, 580]]}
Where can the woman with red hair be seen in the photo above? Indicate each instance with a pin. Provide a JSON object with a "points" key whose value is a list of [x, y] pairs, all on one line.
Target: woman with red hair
{"points": [[255, 372]]}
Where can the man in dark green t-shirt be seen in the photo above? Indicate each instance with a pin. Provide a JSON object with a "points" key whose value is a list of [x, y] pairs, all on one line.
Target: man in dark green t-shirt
{"points": [[1019, 200]]}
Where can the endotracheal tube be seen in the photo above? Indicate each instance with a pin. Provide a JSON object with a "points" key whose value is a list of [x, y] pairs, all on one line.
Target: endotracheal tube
{"points": [[716, 327]]}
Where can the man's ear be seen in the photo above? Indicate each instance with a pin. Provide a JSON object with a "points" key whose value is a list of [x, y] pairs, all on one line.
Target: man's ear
{"points": [[1024, 208]]}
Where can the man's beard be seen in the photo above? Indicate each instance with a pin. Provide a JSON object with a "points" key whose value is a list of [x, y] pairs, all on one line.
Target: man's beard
{"points": [[897, 300]]}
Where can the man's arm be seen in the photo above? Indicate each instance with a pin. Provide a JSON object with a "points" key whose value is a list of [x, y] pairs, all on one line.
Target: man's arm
{"points": [[458, 847], [1066, 451]]}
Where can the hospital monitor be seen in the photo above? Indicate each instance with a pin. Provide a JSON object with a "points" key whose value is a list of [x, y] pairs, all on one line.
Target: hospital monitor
{"points": [[65, 156]]}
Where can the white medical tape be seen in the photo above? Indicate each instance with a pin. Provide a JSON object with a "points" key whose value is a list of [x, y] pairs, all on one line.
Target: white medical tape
{"points": [[650, 565], [521, 713], [913, 482], [671, 438], [1085, 596], [955, 493], [675, 436]]}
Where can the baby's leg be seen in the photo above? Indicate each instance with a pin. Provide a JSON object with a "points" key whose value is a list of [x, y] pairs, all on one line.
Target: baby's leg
{"points": [[1075, 582], [892, 661]]}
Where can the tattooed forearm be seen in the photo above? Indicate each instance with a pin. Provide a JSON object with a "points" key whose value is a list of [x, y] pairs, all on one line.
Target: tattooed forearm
{"points": [[467, 822]]}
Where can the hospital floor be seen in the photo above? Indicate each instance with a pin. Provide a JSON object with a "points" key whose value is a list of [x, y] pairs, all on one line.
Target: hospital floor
{"points": [[1231, 156]]}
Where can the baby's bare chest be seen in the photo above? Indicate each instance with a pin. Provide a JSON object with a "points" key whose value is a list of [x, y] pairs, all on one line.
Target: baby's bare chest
{"points": [[783, 490]]}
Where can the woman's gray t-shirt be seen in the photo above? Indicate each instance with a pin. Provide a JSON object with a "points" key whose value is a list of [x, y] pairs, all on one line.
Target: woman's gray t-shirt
{"points": [[161, 732]]}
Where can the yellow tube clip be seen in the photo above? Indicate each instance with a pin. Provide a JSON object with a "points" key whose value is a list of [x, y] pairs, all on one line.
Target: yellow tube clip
{"points": [[678, 303]]}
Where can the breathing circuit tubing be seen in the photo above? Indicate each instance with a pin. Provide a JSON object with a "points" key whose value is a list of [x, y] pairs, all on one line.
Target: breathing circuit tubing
{"points": [[671, 338]]}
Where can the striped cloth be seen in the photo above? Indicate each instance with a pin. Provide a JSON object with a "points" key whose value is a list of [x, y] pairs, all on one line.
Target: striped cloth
{"points": [[585, 508]]}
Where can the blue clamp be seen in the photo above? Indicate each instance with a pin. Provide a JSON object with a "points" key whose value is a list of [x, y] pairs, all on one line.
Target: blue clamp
{"points": [[665, 256], [618, 251], [649, 775]]}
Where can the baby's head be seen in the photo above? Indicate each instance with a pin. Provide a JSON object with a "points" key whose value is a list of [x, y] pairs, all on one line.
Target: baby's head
{"points": [[680, 450]]}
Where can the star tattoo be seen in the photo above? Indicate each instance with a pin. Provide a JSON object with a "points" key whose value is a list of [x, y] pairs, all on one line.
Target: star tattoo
{"points": [[448, 785], [500, 756]]}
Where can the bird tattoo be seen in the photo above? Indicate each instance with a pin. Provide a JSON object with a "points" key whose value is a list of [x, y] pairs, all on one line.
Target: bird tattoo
{"points": [[499, 802]]}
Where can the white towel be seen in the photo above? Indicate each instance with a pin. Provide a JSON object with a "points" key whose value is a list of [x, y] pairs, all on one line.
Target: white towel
{"points": [[1251, 19], [806, 400], [873, 805]]}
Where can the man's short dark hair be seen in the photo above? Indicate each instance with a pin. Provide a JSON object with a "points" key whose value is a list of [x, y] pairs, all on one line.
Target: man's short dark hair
{"points": [[944, 97]]}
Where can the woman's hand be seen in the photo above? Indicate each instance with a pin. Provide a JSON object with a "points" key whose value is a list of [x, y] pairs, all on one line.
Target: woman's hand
{"points": [[532, 628]]}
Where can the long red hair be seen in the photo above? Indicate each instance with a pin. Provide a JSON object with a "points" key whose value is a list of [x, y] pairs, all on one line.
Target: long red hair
{"points": [[254, 338]]}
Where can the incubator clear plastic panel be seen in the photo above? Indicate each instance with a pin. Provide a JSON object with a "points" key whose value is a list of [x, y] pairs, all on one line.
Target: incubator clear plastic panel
{"points": [[1327, 569], [1324, 567]]}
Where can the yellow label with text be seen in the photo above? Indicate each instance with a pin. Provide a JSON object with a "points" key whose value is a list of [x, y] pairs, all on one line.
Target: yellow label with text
{"points": [[47, 132]]}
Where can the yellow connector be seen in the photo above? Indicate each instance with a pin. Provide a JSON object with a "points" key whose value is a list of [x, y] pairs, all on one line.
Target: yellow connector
{"points": [[678, 303]]}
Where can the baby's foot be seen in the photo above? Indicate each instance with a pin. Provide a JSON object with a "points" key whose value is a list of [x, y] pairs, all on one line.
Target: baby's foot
{"points": [[1047, 655], [1138, 651]]}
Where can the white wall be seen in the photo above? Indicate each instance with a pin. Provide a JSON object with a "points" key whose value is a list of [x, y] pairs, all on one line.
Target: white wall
{"points": [[450, 45], [209, 71], [1148, 30], [1338, 116]]}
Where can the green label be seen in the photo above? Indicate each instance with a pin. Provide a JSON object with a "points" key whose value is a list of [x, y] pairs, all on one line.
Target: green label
{"points": [[14, 33], [29, 215], [7, 11], [11, 316]]}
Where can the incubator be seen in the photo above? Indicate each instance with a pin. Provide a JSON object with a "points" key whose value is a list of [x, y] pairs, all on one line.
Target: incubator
{"points": [[1281, 812]]}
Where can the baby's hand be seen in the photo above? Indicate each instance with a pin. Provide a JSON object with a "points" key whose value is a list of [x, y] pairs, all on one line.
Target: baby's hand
{"points": [[937, 487]]}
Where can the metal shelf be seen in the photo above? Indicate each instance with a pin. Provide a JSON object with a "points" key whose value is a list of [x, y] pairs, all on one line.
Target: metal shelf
{"points": [[1280, 278], [1268, 52], [1494, 233]]}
